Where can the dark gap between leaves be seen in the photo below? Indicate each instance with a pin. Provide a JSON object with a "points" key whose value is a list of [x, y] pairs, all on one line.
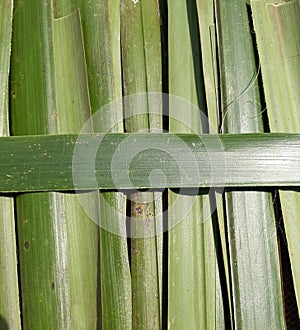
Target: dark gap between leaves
{"points": [[289, 296]]}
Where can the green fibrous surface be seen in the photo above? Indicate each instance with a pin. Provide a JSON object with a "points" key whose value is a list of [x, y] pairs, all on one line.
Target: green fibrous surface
{"points": [[58, 242], [141, 64], [9, 291], [277, 28]]}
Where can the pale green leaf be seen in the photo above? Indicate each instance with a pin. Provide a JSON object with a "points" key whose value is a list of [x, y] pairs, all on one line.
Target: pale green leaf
{"points": [[250, 219], [57, 241], [105, 87], [277, 27], [9, 291], [141, 63], [192, 264]]}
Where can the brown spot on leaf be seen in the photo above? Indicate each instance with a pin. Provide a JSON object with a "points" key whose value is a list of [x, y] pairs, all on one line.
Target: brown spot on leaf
{"points": [[139, 209], [134, 250], [26, 245]]}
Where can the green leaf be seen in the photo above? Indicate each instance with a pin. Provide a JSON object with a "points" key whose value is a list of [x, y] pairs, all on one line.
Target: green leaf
{"points": [[62, 8], [57, 241], [101, 29], [277, 28], [76, 234], [192, 277], [31, 90], [205, 9], [141, 63], [251, 223], [207, 27], [245, 160], [9, 291]]}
